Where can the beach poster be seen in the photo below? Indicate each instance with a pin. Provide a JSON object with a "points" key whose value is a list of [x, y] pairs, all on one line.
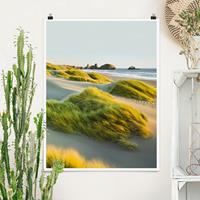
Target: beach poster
{"points": [[102, 94]]}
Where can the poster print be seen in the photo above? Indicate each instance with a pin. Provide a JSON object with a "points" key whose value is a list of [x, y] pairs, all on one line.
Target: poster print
{"points": [[101, 94]]}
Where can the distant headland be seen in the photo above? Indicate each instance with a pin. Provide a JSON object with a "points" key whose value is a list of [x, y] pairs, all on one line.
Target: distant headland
{"points": [[105, 66], [95, 66]]}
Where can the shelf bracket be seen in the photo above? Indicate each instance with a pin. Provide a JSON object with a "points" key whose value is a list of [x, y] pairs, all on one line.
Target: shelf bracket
{"points": [[179, 79], [181, 185]]}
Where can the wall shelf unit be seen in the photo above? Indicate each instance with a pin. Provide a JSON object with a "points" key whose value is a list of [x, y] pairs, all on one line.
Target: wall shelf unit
{"points": [[186, 136]]}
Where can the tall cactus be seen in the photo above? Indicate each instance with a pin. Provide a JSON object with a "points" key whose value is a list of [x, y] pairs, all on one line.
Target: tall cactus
{"points": [[18, 179]]}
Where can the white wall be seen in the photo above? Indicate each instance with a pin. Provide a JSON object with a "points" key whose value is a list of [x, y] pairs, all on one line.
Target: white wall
{"points": [[99, 185]]}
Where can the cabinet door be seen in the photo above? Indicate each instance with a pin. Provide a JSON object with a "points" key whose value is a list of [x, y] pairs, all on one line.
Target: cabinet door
{"points": [[193, 191]]}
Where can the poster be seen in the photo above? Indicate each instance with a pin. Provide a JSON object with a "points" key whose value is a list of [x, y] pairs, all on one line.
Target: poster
{"points": [[102, 94]]}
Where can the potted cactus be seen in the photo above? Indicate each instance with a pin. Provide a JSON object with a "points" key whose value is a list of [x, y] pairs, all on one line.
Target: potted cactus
{"points": [[21, 146]]}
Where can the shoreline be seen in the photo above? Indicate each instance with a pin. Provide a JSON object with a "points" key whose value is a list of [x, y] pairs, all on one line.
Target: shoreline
{"points": [[113, 77], [117, 78]]}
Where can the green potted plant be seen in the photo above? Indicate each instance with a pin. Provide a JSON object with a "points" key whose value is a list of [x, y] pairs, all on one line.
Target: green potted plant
{"points": [[20, 149], [190, 37]]}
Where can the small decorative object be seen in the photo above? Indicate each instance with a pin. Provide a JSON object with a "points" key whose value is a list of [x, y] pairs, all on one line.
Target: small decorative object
{"points": [[190, 49], [172, 13], [189, 32], [21, 146]]}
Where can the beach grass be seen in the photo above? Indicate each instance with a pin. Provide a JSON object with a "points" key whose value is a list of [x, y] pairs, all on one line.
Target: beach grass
{"points": [[60, 74], [99, 78], [134, 89], [74, 74], [51, 66], [71, 158], [99, 115], [48, 72]]}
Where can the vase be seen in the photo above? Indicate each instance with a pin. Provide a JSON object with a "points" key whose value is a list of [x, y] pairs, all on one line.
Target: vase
{"points": [[197, 41]]}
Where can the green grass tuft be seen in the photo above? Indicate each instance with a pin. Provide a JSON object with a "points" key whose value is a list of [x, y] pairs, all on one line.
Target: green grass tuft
{"points": [[48, 73], [99, 115], [81, 78], [77, 72], [50, 66], [134, 89], [74, 74], [99, 78], [127, 145]]}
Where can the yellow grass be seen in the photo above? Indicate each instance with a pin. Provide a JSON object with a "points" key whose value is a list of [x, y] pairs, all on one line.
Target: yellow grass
{"points": [[56, 67], [134, 89], [74, 74], [48, 73], [71, 158], [99, 115]]}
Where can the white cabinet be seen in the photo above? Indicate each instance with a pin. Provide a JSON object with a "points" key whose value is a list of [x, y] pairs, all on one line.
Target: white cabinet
{"points": [[186, 136], [187, 190]]}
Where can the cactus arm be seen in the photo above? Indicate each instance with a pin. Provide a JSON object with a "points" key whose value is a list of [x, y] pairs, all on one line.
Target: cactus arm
{"points": [[5, 156], [47, 187], [20, 53], [39, 125], [3, 192]]}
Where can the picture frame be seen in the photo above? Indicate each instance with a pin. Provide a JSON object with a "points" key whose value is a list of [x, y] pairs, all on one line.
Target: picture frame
{"points": [[154, 169]]}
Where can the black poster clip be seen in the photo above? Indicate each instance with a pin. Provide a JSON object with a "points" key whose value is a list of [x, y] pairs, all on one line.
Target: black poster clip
{"points": [[50, 17], [153, 17]]}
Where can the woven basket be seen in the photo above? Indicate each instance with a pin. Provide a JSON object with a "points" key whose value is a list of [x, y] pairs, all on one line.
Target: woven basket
{"points": [[173, 10]]}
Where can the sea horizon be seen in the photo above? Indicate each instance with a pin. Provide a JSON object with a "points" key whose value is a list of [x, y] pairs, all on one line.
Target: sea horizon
{"points": [[138, 73]]}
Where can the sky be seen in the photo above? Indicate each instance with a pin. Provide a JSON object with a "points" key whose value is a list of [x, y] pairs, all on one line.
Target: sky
{"points": [[122, 43]]}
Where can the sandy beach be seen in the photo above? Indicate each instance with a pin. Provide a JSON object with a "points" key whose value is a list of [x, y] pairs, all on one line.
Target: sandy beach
{"points": [[144, 157]]}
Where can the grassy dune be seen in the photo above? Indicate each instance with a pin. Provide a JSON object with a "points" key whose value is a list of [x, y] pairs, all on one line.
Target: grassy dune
{"points": [[51, 66], [71, 159], [134, 89], [74, 74], [99, 78], [99, 115]]}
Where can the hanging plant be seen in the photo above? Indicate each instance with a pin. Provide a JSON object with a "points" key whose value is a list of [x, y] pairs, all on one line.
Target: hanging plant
{"points": [[21, 146]]}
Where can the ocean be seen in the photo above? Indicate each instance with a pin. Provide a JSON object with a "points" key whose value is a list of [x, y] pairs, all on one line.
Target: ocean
{"points": [[142, 74]]}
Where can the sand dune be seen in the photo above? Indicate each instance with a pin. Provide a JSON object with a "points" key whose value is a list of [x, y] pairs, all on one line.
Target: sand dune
{"points": [[148, 109], [144, 157], [60, 89]]}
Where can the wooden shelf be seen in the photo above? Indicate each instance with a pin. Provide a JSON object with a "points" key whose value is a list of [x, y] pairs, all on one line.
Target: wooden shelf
{"points": [[185, 119]]}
